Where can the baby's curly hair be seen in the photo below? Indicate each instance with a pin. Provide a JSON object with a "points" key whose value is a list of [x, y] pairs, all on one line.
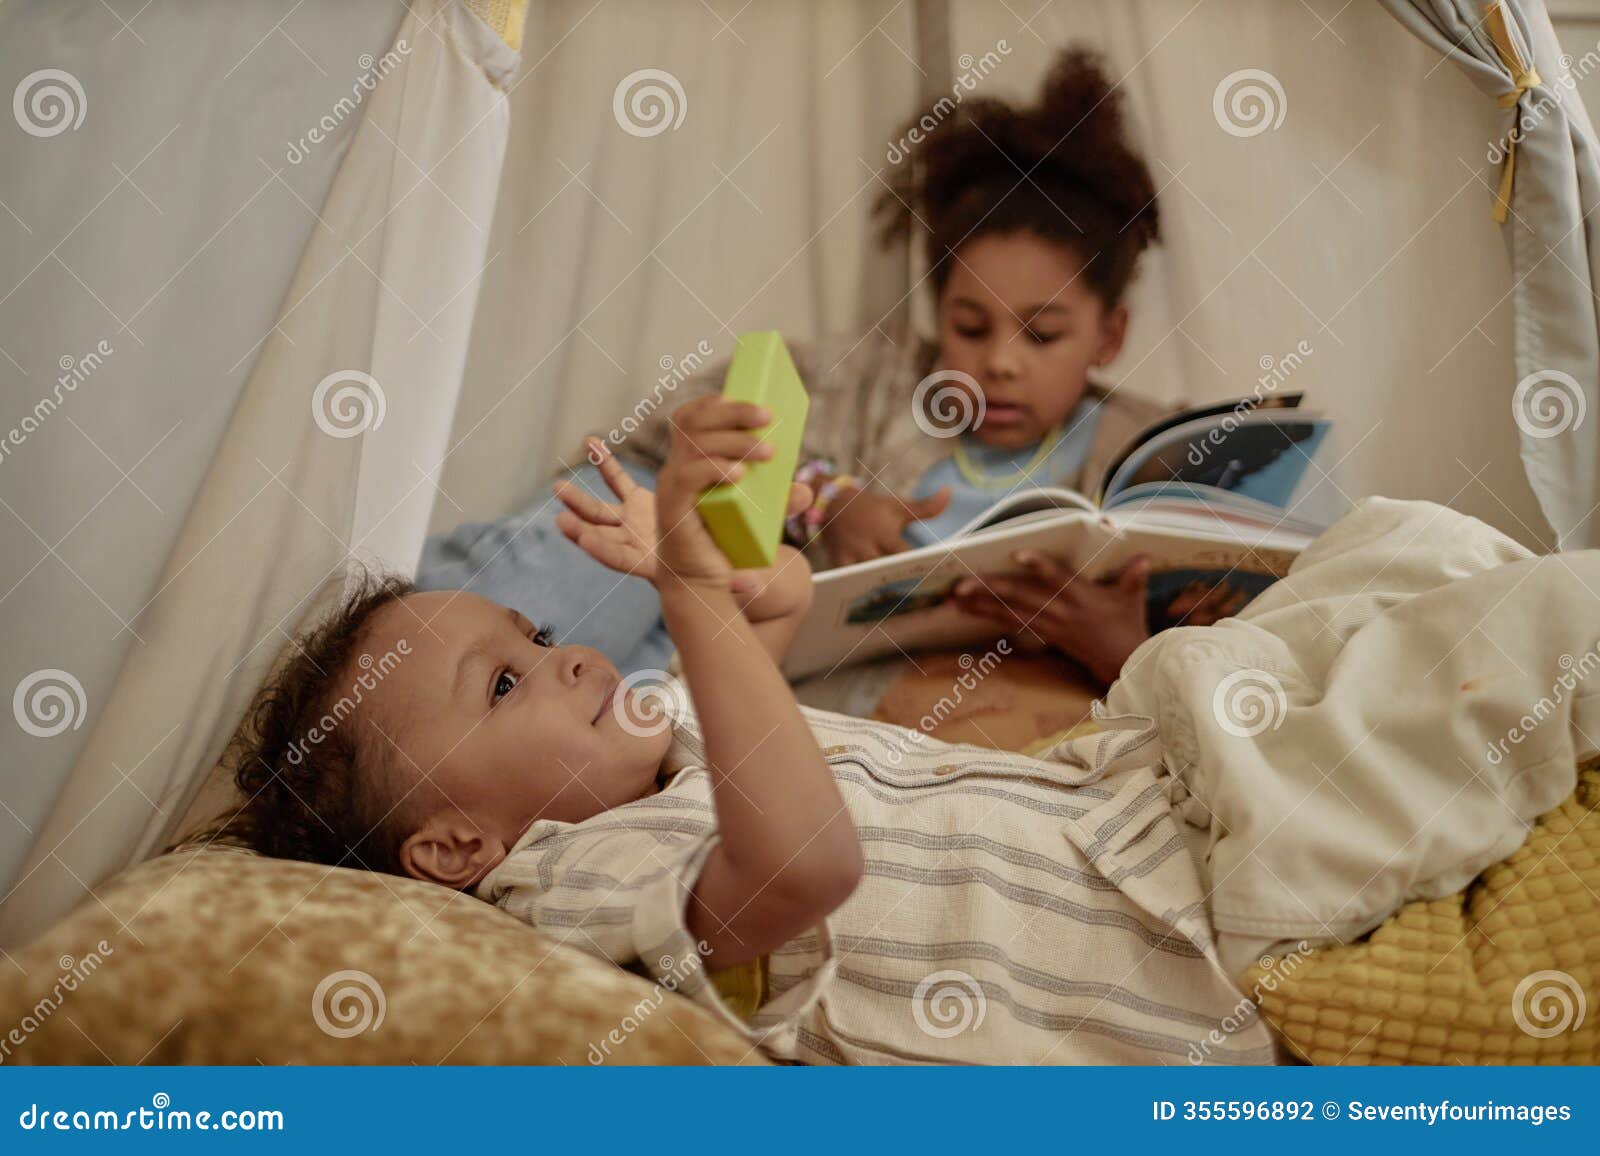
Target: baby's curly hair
{"points": [[318, 782], [1085, 187]]}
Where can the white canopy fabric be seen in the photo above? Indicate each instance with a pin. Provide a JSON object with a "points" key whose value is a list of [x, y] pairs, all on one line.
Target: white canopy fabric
{"points": [[124, 325], [340, 219], [1350, 223], [328, 452], [1548, 187], [673, 180]]}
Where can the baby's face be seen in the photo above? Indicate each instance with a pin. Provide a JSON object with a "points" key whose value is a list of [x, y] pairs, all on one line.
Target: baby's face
{"points": [[500, 726]]}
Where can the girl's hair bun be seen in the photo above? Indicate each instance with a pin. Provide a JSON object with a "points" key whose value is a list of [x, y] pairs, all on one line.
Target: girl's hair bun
{"points": [[1062, 169]]}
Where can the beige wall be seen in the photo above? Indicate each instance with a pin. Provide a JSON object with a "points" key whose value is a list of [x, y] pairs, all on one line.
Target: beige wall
{"points": [[1577, 24]]}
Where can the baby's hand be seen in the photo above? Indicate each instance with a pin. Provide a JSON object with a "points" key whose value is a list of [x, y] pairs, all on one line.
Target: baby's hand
{"points": [[621, 536], [711, 439]]}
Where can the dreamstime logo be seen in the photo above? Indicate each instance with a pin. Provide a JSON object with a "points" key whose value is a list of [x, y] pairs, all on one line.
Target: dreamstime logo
{"points": [[1248, 702], [973, 672], [673, 972], [73, 973], [675, 371], [1249, 102], [347, 403], [74, 372], [1274, 971], [1548, 403], [373, 69], [347, 1003], [647, 701], [48, 702], [155, 1118], [947, 403], [947, 1003], [1548, 1003], [1533, 107], [373, 671], [1275, 371], [649, 102], [973, 69], [1574, 671], [913, 737], [49, 102]]}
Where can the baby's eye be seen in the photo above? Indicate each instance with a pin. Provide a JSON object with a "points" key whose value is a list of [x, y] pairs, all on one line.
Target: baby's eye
{"points": [[504, 683], [544, 636], [1042, 338]]}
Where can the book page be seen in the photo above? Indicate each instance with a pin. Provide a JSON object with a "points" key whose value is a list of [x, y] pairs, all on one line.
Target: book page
{"points": [[1219, 414], [1263, 455], [1024, 503]]}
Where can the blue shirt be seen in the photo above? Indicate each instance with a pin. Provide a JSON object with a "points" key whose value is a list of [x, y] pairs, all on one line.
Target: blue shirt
{"points": [[1003, 468]]}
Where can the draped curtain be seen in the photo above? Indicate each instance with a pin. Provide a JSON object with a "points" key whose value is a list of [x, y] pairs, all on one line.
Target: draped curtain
{"points": [[678, 172], [474, 265], [1354, 223], [1547, 186], [316, 447]]}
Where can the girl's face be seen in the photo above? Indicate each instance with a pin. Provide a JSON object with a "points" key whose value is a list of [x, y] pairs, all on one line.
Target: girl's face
{"points": [[1019, 318]]}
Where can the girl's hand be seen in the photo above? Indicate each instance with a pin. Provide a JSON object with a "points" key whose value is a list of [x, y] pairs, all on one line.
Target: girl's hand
{"points": [[865, 524], [1097, 623]]}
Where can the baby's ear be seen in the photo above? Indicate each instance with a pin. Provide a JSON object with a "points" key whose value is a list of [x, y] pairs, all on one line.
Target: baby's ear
{"points": [[452, 850]]}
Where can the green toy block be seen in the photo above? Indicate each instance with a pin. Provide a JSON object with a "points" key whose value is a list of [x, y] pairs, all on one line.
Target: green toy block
{"points": [[746, 517]]}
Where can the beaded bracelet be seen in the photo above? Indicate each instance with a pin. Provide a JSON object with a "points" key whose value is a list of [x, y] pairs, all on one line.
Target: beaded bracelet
{"points": [[827, 485]]}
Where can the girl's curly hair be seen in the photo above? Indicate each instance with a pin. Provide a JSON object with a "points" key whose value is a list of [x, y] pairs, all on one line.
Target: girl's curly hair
{"points": [[318, 782], [1062, 170]]}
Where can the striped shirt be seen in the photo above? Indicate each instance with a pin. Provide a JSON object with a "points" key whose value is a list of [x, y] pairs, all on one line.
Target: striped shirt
{"points": [[1013, 909]]}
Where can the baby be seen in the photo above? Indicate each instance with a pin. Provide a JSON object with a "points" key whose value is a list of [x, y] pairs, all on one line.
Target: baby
{"points": [[888, 897]]}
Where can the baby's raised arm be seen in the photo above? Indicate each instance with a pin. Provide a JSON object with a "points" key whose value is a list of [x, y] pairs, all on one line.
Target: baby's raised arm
{"points": [[788, 852], [623, 535]]}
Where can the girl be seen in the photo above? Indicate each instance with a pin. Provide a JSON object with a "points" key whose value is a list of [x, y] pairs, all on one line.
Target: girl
{"points": [[1032, 221]]}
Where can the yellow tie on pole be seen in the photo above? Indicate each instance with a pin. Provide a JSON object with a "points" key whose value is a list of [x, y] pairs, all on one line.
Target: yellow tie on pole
{"points": [[1523, 77]]}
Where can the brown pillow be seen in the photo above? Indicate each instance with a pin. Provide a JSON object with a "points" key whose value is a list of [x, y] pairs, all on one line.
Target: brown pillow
{"points": [[224, 957]]}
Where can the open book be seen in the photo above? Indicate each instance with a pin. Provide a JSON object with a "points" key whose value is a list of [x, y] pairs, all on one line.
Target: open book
{"points": [[1205, 493]]}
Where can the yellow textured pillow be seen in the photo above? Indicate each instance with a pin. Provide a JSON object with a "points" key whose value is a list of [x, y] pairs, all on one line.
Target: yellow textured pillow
{"points": [[223, 957], [1503, 973], [506, 17]]}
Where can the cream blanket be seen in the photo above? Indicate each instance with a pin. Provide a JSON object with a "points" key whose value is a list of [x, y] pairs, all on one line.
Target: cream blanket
{"points": [[1378, 727]]}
